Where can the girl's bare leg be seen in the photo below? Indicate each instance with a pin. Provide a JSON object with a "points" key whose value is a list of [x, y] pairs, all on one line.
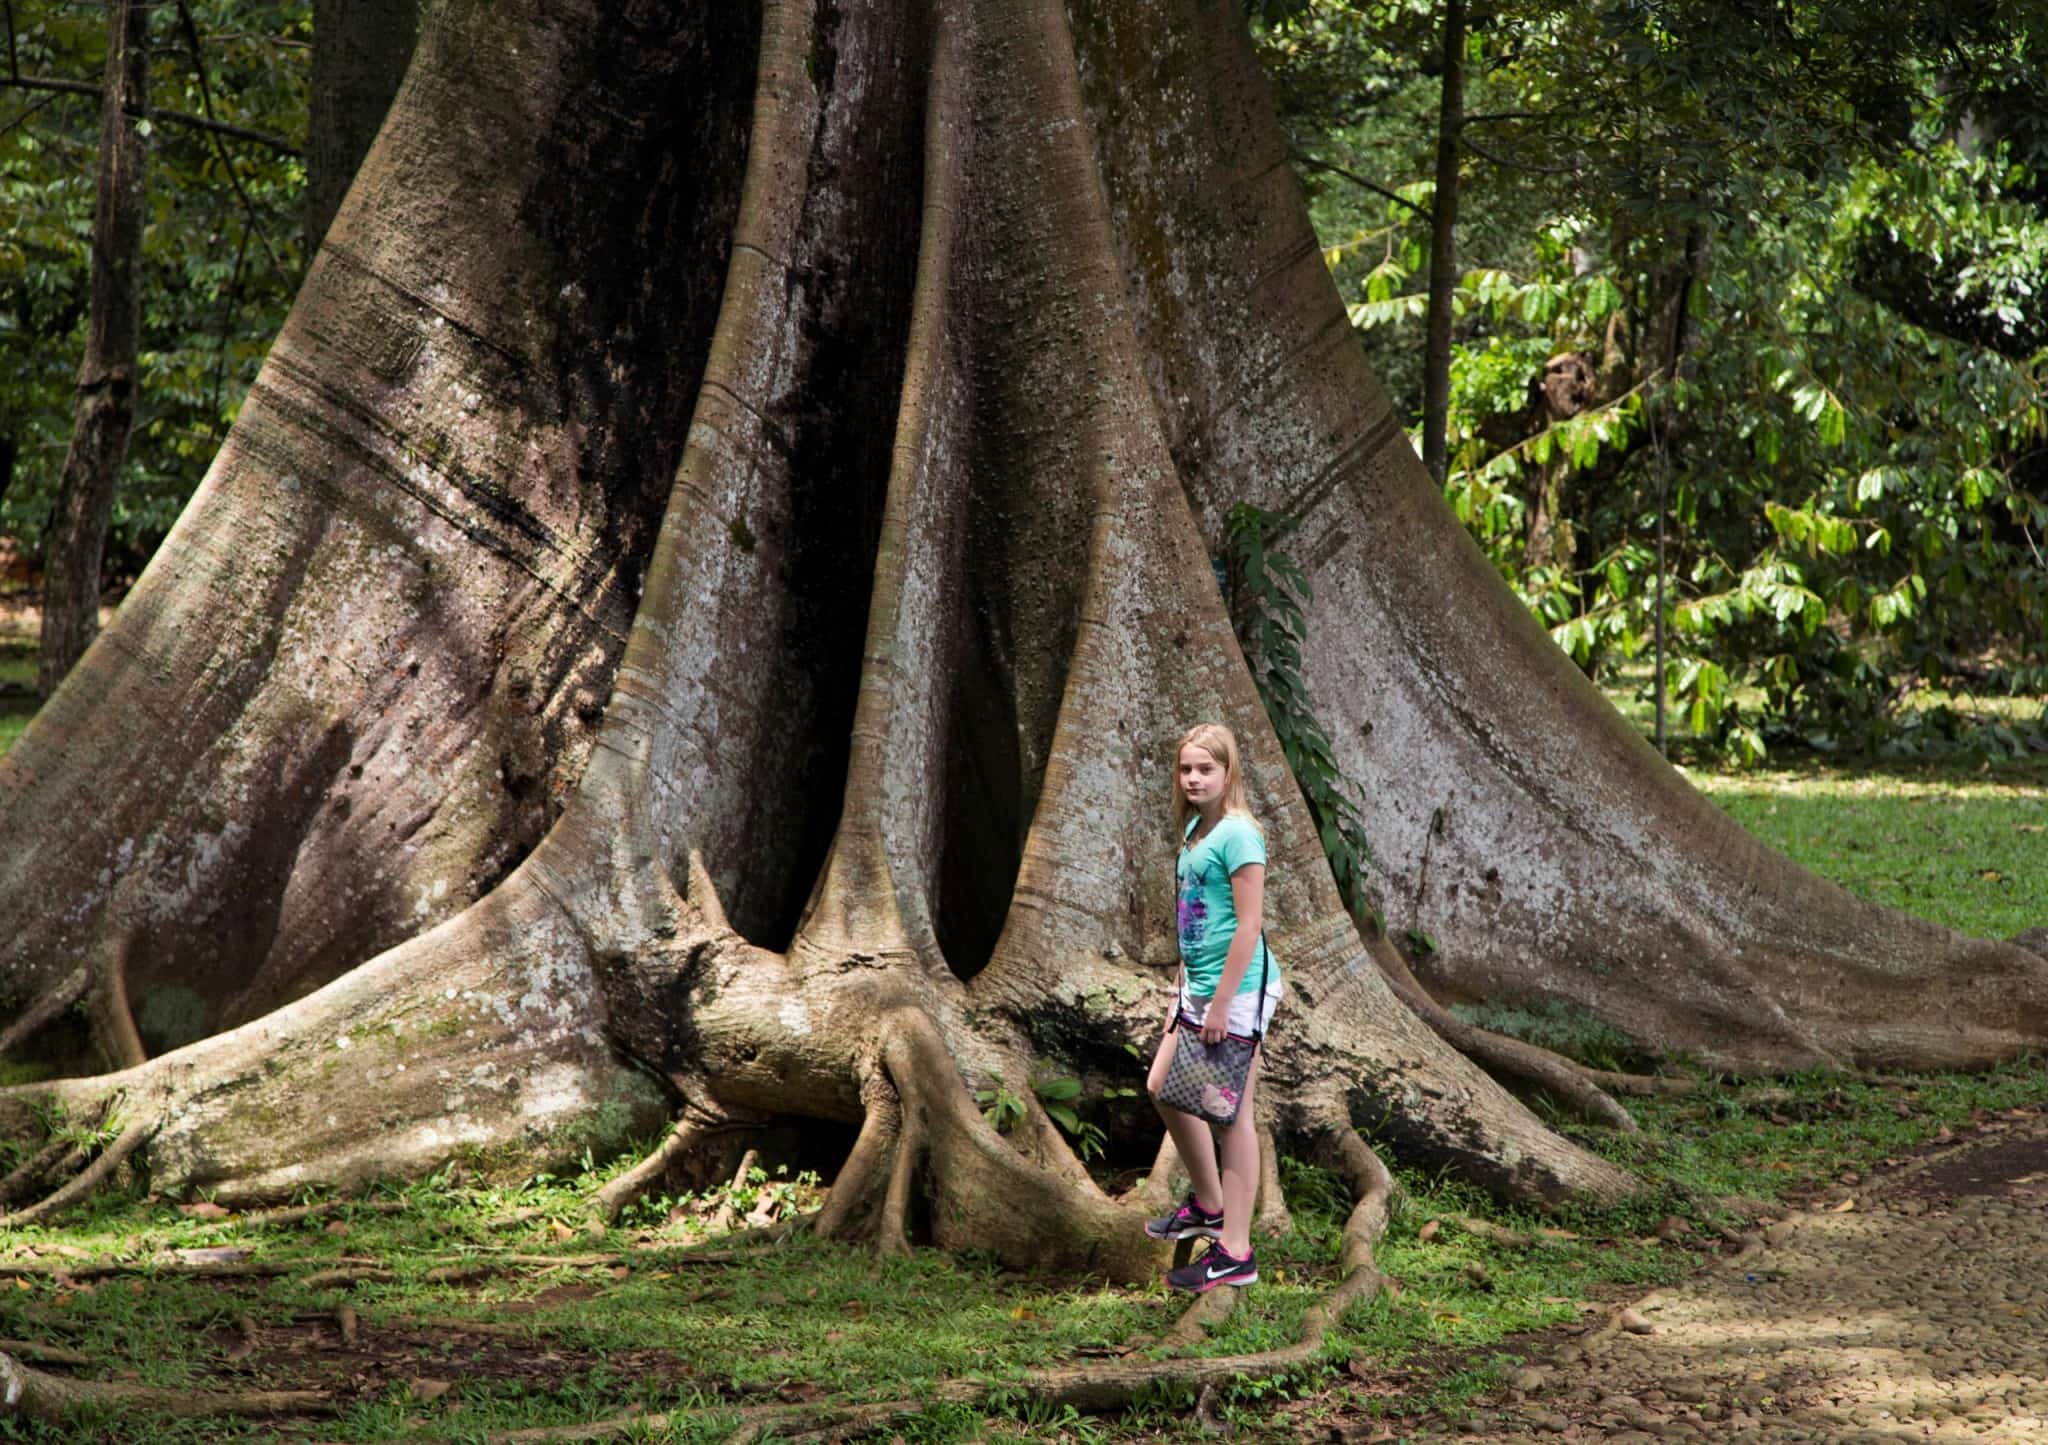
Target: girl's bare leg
{"points": [[1191, 1138], [1240, 1168]]}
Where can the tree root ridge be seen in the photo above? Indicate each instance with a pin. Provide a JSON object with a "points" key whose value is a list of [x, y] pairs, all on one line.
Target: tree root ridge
{"points": [[51, 1158], [1507, 1058], [34, 1395], [51, 1005], [629, 1188], [86, 1181]]}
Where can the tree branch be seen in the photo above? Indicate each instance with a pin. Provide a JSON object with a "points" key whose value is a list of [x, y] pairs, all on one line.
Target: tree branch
{"points": [[220, 149], [1316, 164], [1484, 154], [51, 83], [1482, 117]]}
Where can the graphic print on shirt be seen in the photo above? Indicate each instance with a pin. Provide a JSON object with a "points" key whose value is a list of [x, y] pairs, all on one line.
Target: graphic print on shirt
{"points": [[1193, 913]]}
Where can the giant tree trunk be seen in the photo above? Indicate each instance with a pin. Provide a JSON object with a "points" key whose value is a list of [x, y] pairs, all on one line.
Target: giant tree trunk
{"points": [[360, 51], [105, 412], [936, 364]]}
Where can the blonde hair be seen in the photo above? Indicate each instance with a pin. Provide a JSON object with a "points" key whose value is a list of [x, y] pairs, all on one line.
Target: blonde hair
{"points": [[1221, 744]]}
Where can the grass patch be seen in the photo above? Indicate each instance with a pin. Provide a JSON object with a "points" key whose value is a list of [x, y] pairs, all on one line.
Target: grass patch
{"points": [[808, 1320], [1965, 844]]}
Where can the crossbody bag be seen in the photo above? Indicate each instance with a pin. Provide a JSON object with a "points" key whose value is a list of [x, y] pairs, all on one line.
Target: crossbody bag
{"points": [[1204, 1079]]}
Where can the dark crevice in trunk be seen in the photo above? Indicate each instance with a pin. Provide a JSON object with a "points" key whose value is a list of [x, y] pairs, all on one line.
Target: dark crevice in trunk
{"points": [[642, 265], [851, 279], [981, 815]]}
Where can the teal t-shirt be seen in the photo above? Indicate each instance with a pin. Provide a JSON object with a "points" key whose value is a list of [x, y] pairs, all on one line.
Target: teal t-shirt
{"points": [[1207, 913]]}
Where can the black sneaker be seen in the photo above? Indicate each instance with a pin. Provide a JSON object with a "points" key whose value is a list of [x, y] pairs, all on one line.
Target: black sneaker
{"points": [[1190, 1221], [1218, 1266]]}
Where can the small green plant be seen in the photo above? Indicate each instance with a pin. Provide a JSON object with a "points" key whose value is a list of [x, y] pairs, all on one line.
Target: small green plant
{"points": [[1271, 590], [1003, 1109], [1057, 1097]]}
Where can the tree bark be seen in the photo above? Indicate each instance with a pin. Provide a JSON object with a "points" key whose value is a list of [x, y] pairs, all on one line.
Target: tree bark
{"points": [[105, 412], [1443, 246], [945, 335], [360, 51], [385, 627]]}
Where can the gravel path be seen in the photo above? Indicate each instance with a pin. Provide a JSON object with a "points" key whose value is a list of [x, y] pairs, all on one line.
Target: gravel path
{"points": [[1917, 1312]]}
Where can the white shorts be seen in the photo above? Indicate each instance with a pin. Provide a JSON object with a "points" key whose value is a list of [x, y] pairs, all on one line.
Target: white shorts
{"points": [[1251, 1012]]}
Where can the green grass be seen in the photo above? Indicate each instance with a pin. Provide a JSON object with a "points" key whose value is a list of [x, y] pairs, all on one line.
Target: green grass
{"points": [[666, 1333], [1965, 844]]}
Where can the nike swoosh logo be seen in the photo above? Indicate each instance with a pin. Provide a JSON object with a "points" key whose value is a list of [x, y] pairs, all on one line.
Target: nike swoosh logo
{"points": [[1215, 1273]]}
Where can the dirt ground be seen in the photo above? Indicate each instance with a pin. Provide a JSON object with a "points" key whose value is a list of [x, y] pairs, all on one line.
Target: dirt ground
{"points": [[1912, 1305]]}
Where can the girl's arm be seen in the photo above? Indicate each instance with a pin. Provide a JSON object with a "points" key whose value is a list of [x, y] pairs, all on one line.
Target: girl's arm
{"points": [[1248, 897]]}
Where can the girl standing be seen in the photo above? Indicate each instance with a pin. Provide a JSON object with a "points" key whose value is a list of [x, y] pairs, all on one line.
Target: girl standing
{"points": [[1229, 984]]}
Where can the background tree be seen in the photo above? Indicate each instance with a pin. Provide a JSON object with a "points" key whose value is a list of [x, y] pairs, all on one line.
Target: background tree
{"points": [[220, 254], [1690, 223], [105, 411]]}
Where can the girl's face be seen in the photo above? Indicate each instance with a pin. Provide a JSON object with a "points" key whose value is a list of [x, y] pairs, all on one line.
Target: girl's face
{"points": [[1201, 776]]}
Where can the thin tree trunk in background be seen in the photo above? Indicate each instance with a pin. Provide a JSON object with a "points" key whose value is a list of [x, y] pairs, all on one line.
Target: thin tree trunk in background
{"points": [[1443, 248], [360, 51], [106, 378]]}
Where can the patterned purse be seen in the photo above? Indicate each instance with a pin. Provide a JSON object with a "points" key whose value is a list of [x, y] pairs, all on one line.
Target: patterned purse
{"points": [[1207, 1080]]}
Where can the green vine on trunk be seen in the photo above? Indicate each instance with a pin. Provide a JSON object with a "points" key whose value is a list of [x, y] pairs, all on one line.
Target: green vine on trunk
{"points": [[1268, 591]]}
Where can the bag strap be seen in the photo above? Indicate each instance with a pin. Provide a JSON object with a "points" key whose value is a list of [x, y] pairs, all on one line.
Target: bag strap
{"points": [[1265, 976]]}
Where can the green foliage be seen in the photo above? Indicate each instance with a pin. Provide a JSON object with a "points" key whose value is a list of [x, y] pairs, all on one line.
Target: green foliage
{"points": [[1058, 1097], [1003, 1109], [1839, 214], [218, 276], [1270, 590]]}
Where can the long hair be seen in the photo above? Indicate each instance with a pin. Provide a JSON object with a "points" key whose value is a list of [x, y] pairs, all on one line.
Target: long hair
{"points": [[1221, 744]]}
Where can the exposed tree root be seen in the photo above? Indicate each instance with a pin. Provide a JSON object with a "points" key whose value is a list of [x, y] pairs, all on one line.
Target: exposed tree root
{"points": [[1155, 1191], [94, 1174], [1272, 1218], [1205, 1314], [46, 1008], [32, 1171], [113, 1019], [632, 1186], [1641, 1086], [463, 1271], [892, 1233], [1093, 1387], [449, 1322], [597, 1430], [1503, 1057], [45, 1354], [854, 1187], [47, 1399], [167, 1266], [300, 1213], [1501, 1234]]}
